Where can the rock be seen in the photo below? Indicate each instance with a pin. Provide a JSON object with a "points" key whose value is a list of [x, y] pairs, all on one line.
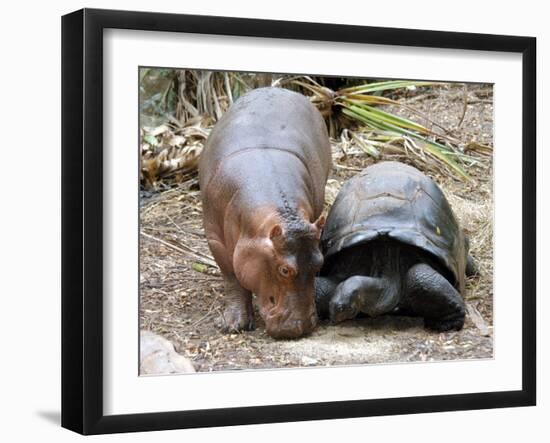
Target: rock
{"points": [[478, 320], [158, 356], [308, 361]]}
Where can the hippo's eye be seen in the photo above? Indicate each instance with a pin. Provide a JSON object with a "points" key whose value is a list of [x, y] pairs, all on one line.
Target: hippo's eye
{"points": [[284, 271]]}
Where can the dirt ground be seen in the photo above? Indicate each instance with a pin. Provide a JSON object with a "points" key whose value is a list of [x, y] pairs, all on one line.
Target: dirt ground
{"points": [[181, 290]]}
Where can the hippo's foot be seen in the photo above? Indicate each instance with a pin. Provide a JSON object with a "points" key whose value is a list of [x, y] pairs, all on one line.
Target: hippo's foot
{"points": [[234, 321], [239, 312], [430, 295]]}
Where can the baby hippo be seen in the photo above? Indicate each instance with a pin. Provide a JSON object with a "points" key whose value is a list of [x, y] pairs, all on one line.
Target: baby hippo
{"points": [[262, 176]]}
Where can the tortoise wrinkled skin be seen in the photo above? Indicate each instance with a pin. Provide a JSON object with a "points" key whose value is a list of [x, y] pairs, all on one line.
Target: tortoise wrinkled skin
{"points": [[393, 224]]}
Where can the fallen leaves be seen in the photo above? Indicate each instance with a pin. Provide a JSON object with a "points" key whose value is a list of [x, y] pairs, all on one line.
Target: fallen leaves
{"points": [[170, 153]]}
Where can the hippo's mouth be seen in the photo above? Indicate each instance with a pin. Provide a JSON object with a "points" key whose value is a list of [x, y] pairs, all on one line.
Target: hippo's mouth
{"points": [[287, 325]]}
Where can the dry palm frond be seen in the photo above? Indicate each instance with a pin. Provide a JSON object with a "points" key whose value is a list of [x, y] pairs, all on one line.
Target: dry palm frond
{"points": [[390, 131], [359, 113], [211, 93], [171, 153]]}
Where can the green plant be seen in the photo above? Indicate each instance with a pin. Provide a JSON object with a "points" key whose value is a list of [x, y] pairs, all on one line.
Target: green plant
{"points": [[385, 129]]}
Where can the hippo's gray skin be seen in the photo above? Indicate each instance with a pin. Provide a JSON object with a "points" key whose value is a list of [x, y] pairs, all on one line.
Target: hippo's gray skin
{"points": [[262, 176], [392, 243]]}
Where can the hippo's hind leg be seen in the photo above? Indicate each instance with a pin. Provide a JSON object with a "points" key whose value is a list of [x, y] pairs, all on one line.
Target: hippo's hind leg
{"points": [[239, 311], [371, 295], [430, 295]]}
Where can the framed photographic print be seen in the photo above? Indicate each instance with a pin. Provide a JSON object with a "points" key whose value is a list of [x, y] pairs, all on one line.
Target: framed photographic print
{"points": [[270, 221]]}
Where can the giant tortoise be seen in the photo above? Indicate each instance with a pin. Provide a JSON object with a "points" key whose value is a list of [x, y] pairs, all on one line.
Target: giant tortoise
{"points": [[392, 244]]}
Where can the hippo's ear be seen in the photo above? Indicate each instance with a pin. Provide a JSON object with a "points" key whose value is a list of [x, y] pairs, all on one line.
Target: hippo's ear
{"points": [[319, 224], [276, 231]]}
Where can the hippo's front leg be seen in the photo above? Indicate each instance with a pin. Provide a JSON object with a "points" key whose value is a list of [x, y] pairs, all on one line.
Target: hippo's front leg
{"points": [[239, 312]]}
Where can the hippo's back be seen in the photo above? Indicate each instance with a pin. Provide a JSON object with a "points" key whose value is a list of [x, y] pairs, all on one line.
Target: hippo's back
{"points": [[271, 119]]}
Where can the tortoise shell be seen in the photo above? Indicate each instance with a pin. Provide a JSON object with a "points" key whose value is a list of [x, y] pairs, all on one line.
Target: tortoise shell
{"points": [[396, 201]]}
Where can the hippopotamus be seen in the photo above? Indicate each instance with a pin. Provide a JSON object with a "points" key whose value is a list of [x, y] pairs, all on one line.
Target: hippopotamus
{"points": [[262, 177]]}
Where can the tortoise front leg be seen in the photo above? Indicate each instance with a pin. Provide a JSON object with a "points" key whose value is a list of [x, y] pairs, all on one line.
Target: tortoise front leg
{"points": [[324, 290], [430, 295]]}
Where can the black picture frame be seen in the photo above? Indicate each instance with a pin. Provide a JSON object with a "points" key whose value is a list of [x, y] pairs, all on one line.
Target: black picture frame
{"points": [[82, 218]]}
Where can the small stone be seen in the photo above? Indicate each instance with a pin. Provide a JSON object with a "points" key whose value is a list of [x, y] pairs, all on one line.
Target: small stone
{"points": [[308, 361], [158, 356]]}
